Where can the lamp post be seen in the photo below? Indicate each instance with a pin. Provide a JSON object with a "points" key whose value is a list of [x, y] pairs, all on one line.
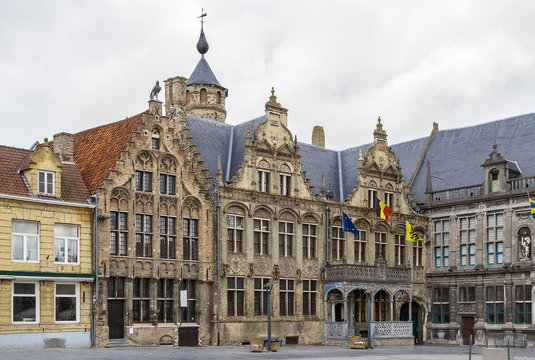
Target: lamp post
{"points": [[269, 286]]}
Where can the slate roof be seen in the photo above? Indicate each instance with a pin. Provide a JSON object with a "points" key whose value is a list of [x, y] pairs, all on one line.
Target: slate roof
{"points": [[455, 155], [72, 186], [96, 150], [203, 74]]}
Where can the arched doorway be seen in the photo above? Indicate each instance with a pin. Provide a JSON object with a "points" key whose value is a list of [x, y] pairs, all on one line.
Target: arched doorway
{"points": [[358, 315], [335, 306], [417, 319]]}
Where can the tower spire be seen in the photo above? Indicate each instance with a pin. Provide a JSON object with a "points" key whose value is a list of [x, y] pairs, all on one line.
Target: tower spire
{"points": [[202, 44]]}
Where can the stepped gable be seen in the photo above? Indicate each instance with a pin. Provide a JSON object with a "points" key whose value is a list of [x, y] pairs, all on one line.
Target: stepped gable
{"points": [[456, 155], [11, 180], [97, 149]]}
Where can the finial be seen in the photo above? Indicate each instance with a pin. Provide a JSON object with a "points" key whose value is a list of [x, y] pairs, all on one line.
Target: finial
{"points": [[45, 143], [202, 44], [272, 91], [203, 14], [360, 155], [495, 146]]}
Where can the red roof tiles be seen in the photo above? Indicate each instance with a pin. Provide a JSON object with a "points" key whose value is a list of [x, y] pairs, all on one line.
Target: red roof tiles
{"points": [[96, 150], [11, 182]]}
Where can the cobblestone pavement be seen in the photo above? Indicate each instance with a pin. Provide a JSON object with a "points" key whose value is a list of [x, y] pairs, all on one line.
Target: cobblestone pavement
{"points": [[242, 352]]}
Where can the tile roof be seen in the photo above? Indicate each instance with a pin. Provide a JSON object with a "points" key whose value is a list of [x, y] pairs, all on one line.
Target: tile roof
{"points": [[72, 186], [96, 150], [11, 180]]}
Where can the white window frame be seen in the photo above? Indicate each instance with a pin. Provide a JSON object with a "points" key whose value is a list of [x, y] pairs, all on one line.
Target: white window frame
{"points": [[263, 181], [25, 242], [65, 240], [372, 198], [37, 296], [45, 182], [260, 231], [77, 295], [389, 199], [285, 183]]}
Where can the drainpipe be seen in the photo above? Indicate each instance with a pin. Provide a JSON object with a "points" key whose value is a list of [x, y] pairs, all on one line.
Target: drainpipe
{"points": [[218, 214], [94, 268], [327, 213]]}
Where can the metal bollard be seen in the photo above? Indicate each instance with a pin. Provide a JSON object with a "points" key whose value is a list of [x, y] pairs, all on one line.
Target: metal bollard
{"points": [[508, 355], [486, 341], [470, 348]]}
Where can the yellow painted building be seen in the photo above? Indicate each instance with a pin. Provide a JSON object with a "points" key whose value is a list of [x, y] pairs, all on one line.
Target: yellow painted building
{"points": [[46, 276]]}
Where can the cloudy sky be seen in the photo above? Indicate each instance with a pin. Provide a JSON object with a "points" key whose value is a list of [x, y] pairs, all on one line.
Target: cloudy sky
{"points": [[73, 65]]}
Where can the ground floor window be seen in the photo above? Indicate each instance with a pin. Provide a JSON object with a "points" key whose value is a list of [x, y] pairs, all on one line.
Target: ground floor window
{"points": [[235, 296], [286, 297], [25, 302], [309, 297], [141, 300], [495, 307], [441, 305], [67, 302], [260, 296], [382, 306], [187, 301], [523, 304], [165, 300]]}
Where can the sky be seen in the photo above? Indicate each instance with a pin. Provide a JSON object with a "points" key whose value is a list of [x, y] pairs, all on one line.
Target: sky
{"points": [[73, 65]]}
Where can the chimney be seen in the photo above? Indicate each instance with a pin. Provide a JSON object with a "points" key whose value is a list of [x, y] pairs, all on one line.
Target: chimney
{"points": [[63, 146], [318, 136]]}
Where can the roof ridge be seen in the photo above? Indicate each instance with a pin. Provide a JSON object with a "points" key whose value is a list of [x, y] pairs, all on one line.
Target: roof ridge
{"points": [[112, 123], [422, 155]]}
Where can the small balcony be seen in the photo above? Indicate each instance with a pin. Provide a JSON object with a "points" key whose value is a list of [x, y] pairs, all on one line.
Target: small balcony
{"points": [[367, 273]]}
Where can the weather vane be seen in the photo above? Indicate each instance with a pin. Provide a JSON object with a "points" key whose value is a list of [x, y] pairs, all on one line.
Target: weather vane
{"points": [[203, 14]]}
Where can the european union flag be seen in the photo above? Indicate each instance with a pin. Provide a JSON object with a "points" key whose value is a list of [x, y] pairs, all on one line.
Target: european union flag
{"points": [[348, 224]]}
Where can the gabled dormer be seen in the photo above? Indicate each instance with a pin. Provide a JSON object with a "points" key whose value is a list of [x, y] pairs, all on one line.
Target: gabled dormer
{"points": [[272, 161], [497, 171], [379, 176], [43, 172]]}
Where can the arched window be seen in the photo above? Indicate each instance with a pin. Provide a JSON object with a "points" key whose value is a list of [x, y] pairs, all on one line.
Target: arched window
{"points": [[204, 95], [188, 96], [218, 97]]}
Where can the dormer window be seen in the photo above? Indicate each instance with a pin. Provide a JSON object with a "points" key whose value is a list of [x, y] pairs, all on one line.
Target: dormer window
{"points": [[263, 181], [46, 182], [155, 144], [494, 180]]}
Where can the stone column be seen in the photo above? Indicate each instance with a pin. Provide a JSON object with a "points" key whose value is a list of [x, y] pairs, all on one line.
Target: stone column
{"points": [[410, 307]]}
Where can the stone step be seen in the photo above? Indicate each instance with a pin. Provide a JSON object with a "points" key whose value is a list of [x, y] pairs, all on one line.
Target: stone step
{"points": [[117, 343]]}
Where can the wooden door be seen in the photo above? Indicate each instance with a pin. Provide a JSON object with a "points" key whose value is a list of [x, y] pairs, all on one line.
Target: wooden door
{"points": [[467, 329], [188, 336], [116, 318]]}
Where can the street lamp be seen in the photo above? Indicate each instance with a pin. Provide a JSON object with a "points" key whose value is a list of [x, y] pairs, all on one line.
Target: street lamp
{"points": [[268, 286]]}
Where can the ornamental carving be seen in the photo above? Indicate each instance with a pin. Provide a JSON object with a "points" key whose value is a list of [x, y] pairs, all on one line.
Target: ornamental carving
{"points": [[262, 266]]}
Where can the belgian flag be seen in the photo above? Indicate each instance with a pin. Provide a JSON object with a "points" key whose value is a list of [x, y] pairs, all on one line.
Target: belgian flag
{"points": [[383, 210]]}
